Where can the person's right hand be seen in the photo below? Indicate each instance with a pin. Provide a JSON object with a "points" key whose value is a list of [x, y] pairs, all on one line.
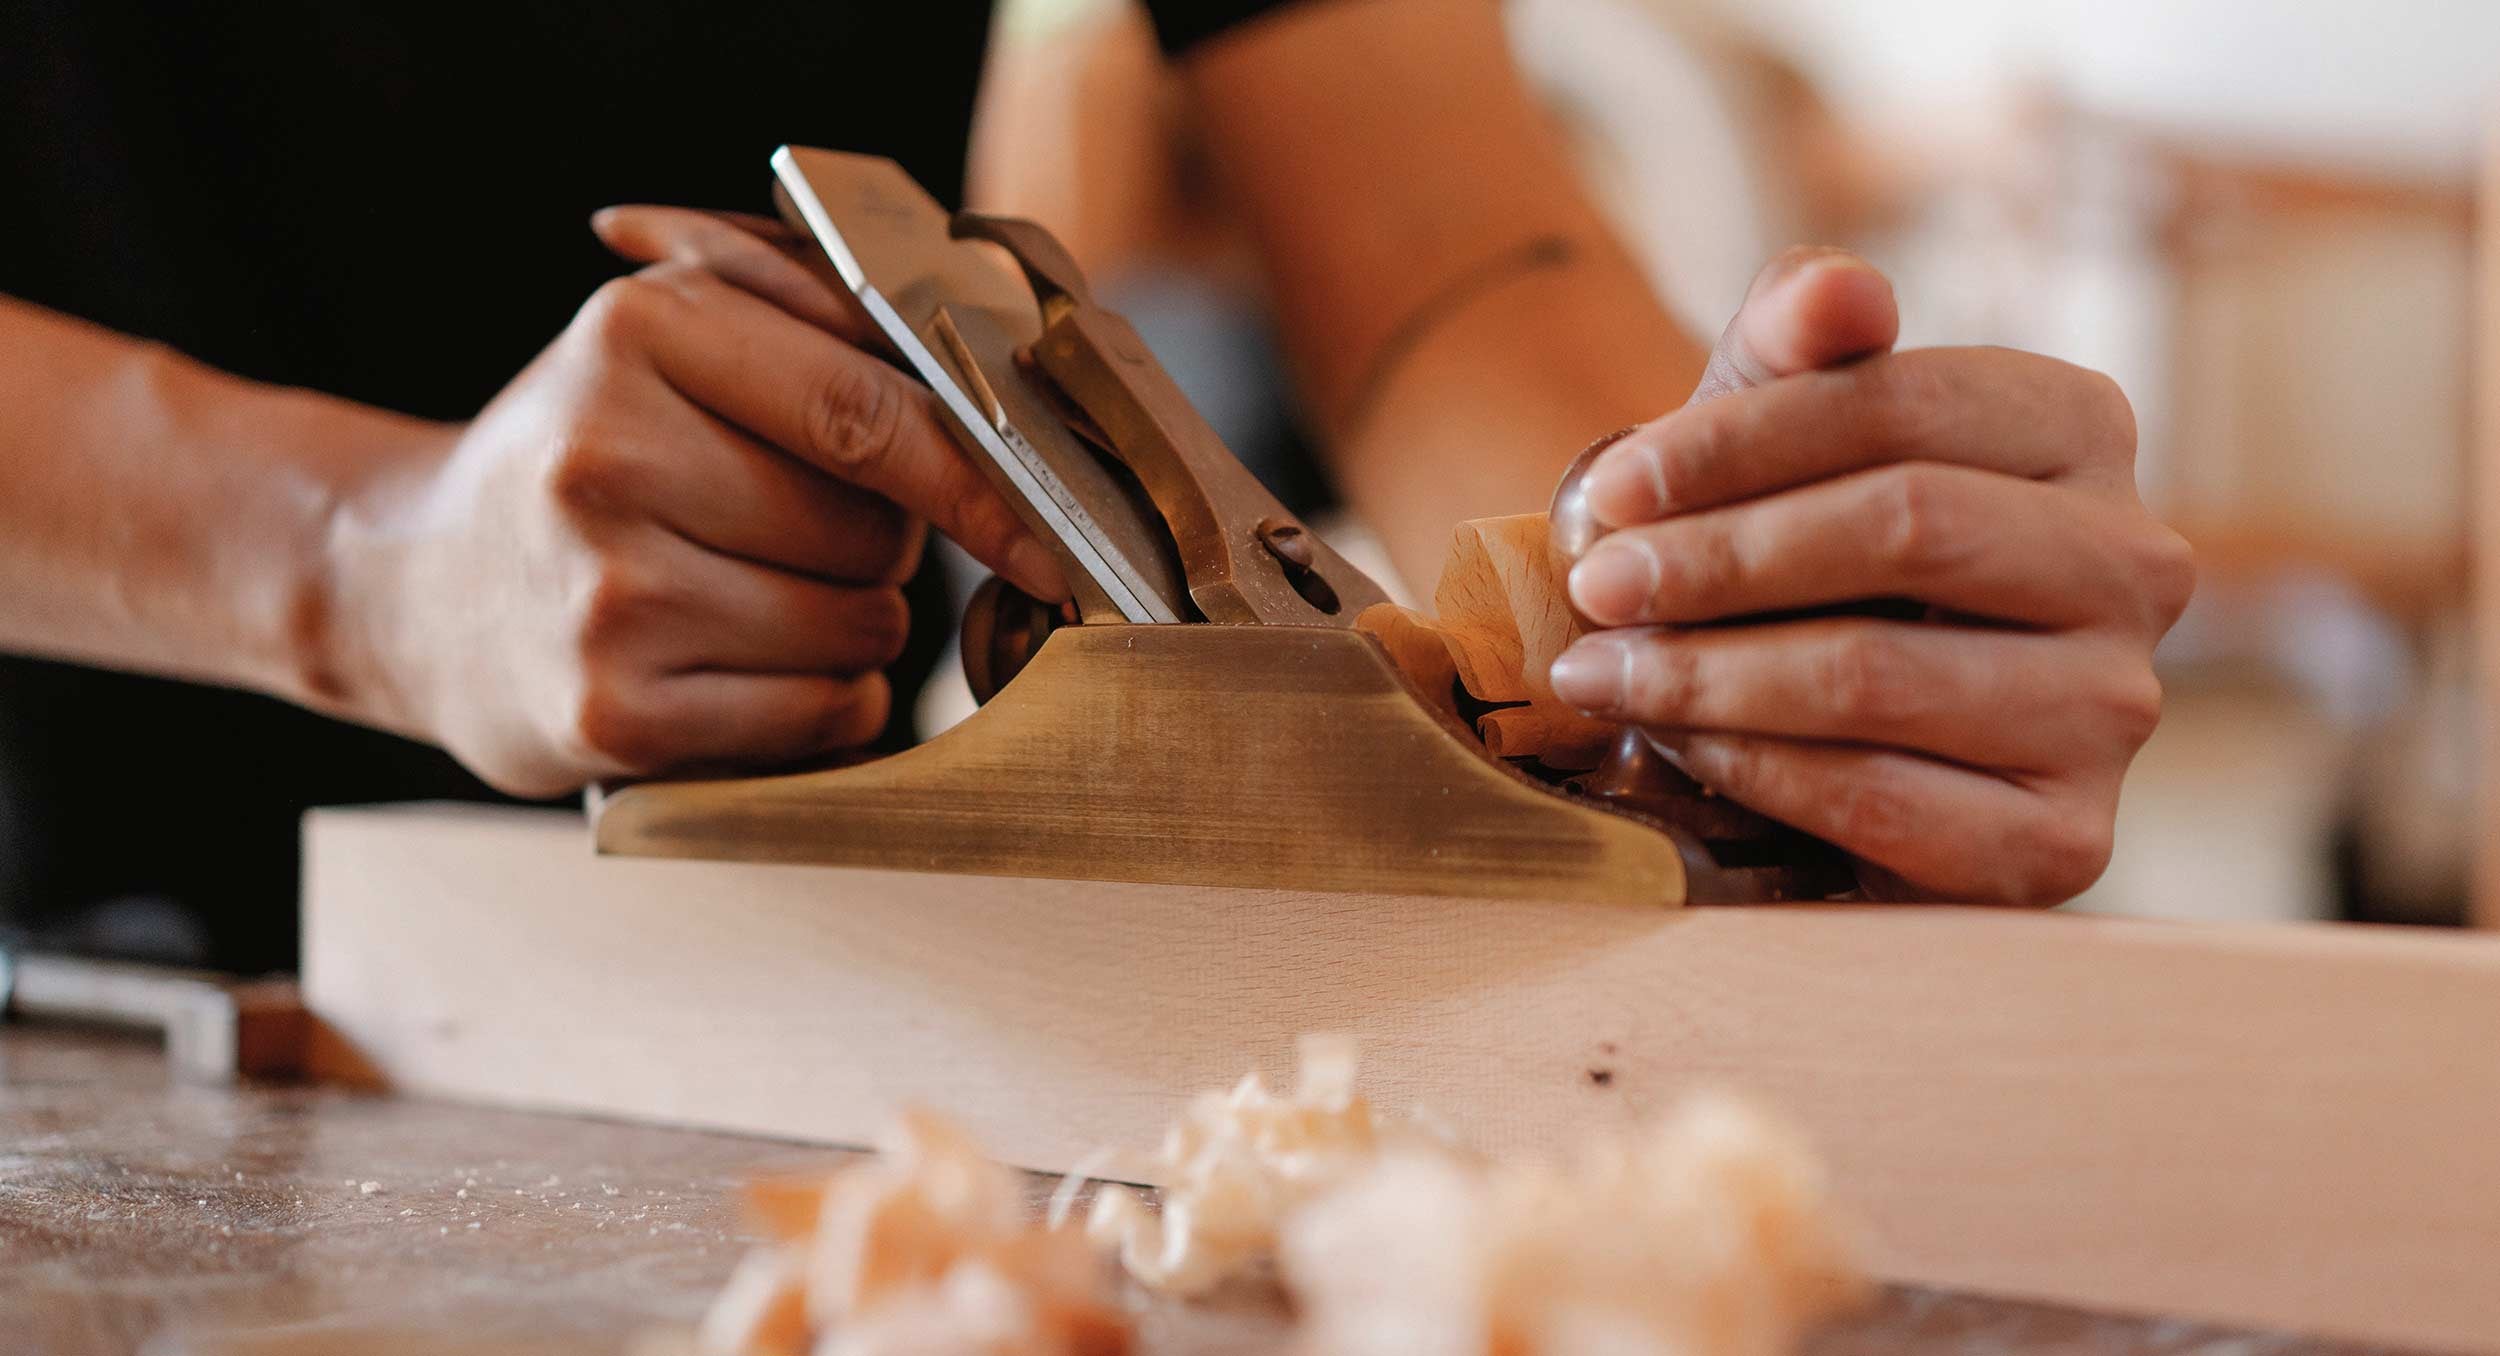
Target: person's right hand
{"points": [[674, 542]]}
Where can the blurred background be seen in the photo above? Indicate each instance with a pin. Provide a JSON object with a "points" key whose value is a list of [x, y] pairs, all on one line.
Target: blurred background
{"points": [[2259, 215]]}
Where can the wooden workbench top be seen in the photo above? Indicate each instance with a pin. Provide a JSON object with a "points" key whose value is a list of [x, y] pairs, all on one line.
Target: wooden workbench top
{"points": [[137, 1212]]}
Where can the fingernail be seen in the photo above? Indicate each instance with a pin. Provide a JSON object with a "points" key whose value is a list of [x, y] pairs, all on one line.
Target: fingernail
{"points": [[1628, 485], [1614, 583], [1816, 259], [1032, 568], [1593, 674]]}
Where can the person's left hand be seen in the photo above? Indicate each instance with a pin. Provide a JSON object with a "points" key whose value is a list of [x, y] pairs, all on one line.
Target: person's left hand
{"points": [[1974, 755]]}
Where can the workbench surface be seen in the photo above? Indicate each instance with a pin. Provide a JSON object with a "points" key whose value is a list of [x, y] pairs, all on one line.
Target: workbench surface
{"points": [[137, 1212]]}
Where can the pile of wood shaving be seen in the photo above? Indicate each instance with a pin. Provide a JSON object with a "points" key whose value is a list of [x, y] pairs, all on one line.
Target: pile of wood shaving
{"points": [[1236, 1164], [926, 1249], [1707, 1235]]}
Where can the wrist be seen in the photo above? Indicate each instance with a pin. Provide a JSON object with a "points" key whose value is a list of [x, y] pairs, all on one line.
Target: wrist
{"points": [[164, 517], [335, 632]]}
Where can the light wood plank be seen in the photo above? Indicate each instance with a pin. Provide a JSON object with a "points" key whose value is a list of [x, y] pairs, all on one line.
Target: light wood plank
{"points": [[2292, 1127]]}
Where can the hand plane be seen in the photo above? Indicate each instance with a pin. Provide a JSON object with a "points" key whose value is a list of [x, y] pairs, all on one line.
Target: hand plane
{"points": [[1231, 702]]}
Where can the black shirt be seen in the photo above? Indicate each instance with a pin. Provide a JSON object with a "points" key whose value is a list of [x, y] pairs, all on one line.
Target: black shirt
{"points": [[386, 201]]}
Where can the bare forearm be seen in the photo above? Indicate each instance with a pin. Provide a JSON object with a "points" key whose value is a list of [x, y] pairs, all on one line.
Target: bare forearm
{"points": [[1461, 319], [165, 517], [1480, 416]]}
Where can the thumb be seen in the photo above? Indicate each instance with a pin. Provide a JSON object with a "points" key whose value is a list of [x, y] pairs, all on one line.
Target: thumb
{"points": [[1812, 307]]}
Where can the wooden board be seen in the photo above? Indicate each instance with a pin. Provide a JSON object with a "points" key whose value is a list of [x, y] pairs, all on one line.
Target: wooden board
{"points": [[2291, 1127]]}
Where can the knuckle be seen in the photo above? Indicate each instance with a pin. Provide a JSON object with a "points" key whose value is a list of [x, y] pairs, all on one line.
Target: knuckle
{"points": [[1900, 397], [673, 280], [1682, 468], [2061, 852], [611, 727], [1922, 530], [2168, 570], [1707, 562], [622, 310], [2104, 410], [855, 713], [587, 478], [1872, 816], [853, 419], [884, 623], [2132, 705], [899, 540], [1734, 768], [1660, 681], [1866, 679], [622, 605]]}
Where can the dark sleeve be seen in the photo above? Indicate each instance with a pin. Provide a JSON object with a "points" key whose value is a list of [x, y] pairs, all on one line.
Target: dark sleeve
{"points": [[1183, 24]]}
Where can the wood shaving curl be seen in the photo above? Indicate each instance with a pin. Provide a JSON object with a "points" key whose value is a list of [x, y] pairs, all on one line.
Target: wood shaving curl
{"points": [[927, 1249], [1237, 1164], [1707, 1235]]}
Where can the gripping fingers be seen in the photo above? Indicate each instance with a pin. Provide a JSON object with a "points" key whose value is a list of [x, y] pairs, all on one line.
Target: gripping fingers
{"points": [[1948, 832], [826, 402], [691, 721], [723, 614], [1812, 307], [2052, 701], [745, 499], [755, 254], [1973, 541], [692, 659], [1994, 409]]}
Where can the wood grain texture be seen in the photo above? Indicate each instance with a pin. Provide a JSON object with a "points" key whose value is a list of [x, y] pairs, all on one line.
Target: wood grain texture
{"points": [[2290, 1127], [1416, 646], [1506, 613]]}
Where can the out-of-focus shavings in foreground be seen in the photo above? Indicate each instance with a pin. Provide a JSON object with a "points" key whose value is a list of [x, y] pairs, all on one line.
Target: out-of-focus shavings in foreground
{"points": [[1237, 1163], [927, 1250], [1706, 1234]]}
